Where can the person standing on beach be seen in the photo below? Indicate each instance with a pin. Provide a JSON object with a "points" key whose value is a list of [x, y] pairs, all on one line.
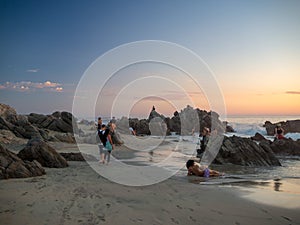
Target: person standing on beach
{"points": [[99, 124], [107, 142]]}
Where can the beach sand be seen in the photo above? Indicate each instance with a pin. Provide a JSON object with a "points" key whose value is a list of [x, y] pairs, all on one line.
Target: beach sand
{"points": [[79, 195]]}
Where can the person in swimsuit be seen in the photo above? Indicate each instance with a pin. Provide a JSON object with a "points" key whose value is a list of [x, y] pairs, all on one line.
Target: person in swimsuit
{"points": [[195, 168]]}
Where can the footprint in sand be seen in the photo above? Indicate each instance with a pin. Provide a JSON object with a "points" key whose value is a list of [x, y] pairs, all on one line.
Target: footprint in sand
{"points": [[178, 206]]}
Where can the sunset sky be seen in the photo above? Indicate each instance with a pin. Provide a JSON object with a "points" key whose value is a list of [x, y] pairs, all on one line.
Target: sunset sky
{"points": [[252, 48]]}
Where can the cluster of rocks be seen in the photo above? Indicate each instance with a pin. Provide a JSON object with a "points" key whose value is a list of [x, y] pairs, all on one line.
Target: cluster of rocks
{"points": [[290, 126], [11, 166], [184, 122], [59, 126], [30, 160], [256, 151], [246, 152]]}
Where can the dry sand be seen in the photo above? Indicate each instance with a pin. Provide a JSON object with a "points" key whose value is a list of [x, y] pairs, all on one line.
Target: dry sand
{"points": [[78, 195]]}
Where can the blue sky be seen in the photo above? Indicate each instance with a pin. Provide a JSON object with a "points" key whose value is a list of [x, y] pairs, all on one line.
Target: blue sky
{"points": [[253, 47]]}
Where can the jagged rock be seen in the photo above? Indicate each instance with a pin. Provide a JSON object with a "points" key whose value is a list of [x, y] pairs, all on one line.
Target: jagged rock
{"points": [[58, 121], [245, 152], [154, 114], [158, 127], [11, 166], [64, 137], [8, 113], [228, 128], [258, 137], [286, 147], [39, 150], [290, 126], [71, 156], [6, 136]]}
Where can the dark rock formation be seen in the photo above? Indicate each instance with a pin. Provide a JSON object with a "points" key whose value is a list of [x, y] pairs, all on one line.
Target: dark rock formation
{"points": [[258, 137], [35, 125], [58, 121], [18, 124], [71, 156], [184, 122], [140, 126], [11, 166], [286, 147], [290, 126], [37, 149], [245, 152], [228, 128]]}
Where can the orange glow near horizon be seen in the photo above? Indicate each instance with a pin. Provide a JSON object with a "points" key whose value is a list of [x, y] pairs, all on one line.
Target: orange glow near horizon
{"points": [[264, 104]]}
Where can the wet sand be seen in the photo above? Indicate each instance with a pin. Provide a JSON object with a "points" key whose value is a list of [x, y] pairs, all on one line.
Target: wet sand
{"points": [[78, 195]]}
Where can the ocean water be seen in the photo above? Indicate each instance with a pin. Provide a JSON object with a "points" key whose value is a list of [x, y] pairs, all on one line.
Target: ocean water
{"points": [[247, 126]]}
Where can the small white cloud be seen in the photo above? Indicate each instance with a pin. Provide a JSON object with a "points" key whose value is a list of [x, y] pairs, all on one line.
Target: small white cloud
{"points": [[32, 70], [59, 89]]}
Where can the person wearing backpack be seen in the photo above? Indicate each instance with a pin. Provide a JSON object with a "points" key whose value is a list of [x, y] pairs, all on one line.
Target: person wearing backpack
{"points": [[108, 145]]}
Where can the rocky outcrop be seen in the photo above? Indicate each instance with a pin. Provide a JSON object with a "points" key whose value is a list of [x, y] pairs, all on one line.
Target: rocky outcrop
{"points": [[286, 147], [228, 128], [56, 127], [245, 152], [184, 122], [258, 137], [18, 124], [58, 121], [39, 150], [140, 126], [11, 166], [290, 126]]}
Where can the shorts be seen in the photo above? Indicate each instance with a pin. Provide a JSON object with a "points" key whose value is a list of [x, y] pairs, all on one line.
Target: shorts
{"points": [[102, 150]]}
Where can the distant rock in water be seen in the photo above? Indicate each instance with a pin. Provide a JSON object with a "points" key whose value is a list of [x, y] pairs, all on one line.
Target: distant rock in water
{"points": [[39, 150], [245, 152], [228, 127], [290, 126], [11, 166]]}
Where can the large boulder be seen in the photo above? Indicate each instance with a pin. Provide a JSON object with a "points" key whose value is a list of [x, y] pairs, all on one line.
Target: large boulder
{"points": [[290, 126], [39, 150], [11, 166], [286, 147], [245, 152]]}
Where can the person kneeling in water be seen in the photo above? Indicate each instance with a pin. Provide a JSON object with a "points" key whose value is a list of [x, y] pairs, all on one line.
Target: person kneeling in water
{"points": [[195, 168]]}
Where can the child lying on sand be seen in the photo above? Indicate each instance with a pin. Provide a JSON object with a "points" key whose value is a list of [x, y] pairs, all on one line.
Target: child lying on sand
{"points": [[195, 168]]}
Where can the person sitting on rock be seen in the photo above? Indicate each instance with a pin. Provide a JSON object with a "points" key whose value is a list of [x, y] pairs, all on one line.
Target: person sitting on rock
{"points": [[195, 168], [279, 132], [203, 143]]}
